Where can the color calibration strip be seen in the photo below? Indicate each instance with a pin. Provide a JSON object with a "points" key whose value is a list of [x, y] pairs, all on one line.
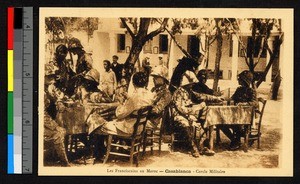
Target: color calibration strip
{"points": [[20, 42], [10, 87]]}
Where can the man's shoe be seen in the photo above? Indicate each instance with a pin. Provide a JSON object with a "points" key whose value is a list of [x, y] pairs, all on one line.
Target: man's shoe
{"points": [[98, 160], [235, 145], [195, 154], [207, 152]]}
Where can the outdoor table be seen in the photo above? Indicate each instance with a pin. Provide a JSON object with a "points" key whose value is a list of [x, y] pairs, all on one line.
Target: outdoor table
{"points": [[229, 115], [74, 115]]}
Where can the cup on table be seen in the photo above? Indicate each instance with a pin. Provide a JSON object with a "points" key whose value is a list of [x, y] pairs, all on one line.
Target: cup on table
{"points": [[224, 103]]}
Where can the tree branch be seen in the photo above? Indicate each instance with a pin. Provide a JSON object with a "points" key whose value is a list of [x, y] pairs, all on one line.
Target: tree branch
{"points": [[162, 27], [143, 28], [263, 43], [269, 49], [175, 41], [212, 41], [271, 61], [244, 48], [123, 20]]}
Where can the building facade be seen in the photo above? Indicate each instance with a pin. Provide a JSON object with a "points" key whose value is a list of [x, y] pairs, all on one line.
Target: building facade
{"points": [[111, 38]]}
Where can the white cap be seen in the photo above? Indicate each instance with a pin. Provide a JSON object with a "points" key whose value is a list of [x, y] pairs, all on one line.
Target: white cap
{"points": [[160, 55]]}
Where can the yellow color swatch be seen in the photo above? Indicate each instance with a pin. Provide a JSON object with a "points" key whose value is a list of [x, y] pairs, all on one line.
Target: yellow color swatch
{"points": [[10, 70]]}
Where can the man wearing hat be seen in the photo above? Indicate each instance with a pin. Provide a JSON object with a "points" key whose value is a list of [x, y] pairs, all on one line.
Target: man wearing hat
{"points": [[244, 95], [162, 95], [88, 92], [160, 60], [187, 114], [201, 92], [201, 86], [84, 61], [64, 72]]}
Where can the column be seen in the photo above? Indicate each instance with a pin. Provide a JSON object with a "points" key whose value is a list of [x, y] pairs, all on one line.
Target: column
{"points": [[235, 58], [269, 74], [112, 44], [202, 47], [171, 57]]}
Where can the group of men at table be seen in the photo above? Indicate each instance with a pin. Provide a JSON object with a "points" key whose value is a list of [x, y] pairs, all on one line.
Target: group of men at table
{"points": [[188, 104]]}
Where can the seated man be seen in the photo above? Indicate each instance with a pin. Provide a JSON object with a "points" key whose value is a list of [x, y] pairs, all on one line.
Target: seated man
{"points": [[202, 93], [187, 113], [162, 95], [124, 123], [244, 95], [88, 91], [55, 134], [201, 86], [88, 88]]}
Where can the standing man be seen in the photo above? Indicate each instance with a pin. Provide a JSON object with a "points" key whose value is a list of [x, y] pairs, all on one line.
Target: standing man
{"points": [[117, 68], [146, 67], [160, 60], [84, 62], [64, 72], [108, 80]]}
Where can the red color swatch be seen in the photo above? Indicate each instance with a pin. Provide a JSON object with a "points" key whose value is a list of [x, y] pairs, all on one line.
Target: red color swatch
{"points": [[10, 28]]}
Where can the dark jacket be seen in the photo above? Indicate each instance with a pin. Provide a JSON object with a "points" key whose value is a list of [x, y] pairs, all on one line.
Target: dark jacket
{"points": [[118, 71], [245, 95]]}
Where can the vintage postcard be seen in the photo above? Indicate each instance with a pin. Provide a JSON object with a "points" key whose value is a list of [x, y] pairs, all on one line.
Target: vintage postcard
{"points": [[165, 92]]}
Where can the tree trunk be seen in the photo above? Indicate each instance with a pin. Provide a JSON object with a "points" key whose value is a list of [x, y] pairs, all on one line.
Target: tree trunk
{"points": [[252, 46], [133, 56], [275, 87], [219, 40], [207, 51], [277, 44], [140, 38]]}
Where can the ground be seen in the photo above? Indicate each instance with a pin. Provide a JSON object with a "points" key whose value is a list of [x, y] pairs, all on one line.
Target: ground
{"points": [[266, 157]]}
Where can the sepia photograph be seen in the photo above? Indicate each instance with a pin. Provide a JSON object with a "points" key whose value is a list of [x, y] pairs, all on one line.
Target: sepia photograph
{"points": [[165, 92]]}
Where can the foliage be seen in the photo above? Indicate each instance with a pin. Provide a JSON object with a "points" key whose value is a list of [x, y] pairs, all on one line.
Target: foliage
{"points": [[59, 27], [138, 29]]}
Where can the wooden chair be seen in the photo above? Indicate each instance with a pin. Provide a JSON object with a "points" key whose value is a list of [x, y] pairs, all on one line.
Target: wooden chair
{"points": [[255, 131], [77, 144], [120, 145], [153, 136]]}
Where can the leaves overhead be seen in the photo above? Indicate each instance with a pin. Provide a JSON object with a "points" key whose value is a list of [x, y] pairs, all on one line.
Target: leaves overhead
{"points": [[61, 26]]}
